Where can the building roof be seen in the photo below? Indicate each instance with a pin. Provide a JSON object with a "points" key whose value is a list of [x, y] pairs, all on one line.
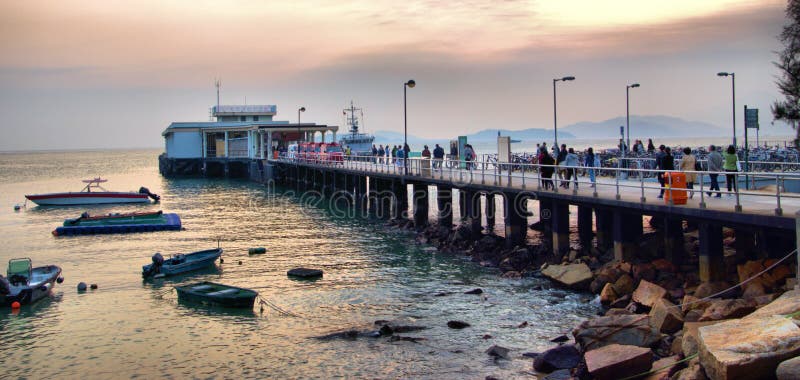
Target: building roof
{"points": [[243, 125], [251, 109]]}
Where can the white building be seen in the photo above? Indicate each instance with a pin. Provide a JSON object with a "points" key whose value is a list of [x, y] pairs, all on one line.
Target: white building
{"points": [[239, 132]]}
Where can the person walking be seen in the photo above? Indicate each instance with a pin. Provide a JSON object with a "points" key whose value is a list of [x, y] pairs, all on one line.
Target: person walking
{"points": [[547, 170], [688, 163], [469, 156], [426, 161], [590, 163], [394, 154], [571, 163], [381, 153], [406, 151], [714, 167], [561, 156], [374, 153], [660, 166], [650, 147], [730, 161], [438, 157]]}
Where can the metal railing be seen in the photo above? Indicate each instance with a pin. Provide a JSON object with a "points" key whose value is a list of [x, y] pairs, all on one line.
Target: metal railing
{"points": [[530, 176]]}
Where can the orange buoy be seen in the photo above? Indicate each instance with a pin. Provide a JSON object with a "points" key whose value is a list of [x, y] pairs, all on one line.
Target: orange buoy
{"points": [[15, 305]]}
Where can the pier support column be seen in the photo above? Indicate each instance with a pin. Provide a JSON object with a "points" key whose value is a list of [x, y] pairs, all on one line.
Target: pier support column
{"points": [[385, 198], [712, 263], [401, 193], [462, 205], [585, 233], [673, 241], [420, 205], [490, 211], [515, 219], [604, 220], [560, 212], [745, 245], [473, 210], [362, 195], [627, 231], [444, 200]]}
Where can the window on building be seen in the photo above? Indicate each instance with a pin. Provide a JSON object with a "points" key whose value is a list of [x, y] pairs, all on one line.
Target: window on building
{"points": [[255, 118], [242, 118]]}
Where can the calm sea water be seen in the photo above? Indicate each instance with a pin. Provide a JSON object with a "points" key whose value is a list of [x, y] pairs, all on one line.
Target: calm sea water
{"points": [[134, 329]]}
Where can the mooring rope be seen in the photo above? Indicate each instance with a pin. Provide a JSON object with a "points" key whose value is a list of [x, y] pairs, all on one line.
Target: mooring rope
{"points": [[271, 305], [739, 284]]}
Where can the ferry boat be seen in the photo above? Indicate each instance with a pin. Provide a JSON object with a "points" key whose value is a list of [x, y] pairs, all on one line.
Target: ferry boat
{"points": [[360, 143], [93, 193]]}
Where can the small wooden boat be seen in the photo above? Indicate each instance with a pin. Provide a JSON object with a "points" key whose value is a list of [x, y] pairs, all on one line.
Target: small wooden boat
{"points": [[93, 193], [26, 284], [180, 263], [214, 294]]}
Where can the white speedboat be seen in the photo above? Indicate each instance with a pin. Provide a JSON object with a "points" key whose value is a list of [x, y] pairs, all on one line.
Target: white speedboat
{"points": [[26, 284], [93, 193]]}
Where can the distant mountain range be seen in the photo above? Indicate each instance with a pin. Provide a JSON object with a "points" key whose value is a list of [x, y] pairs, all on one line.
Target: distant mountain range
{"points": [[641, 127]]}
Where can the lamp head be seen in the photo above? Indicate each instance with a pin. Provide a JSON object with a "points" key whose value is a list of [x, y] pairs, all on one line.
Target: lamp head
{"points": [[411, 83], [302, 109], [723, 74], [634, 85], [568, 78]]}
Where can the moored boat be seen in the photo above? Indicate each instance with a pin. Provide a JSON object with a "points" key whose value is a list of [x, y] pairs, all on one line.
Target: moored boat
{"points": [[26, 284], [180, 263], [119, 223], [93, 193], [214, 294]]}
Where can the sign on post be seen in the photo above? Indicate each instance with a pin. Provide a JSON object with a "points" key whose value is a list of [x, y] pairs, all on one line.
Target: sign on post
{"points": [[751, 118]]}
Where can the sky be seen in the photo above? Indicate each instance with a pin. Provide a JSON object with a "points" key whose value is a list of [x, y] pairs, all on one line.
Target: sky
{"points": [[114, 74]]}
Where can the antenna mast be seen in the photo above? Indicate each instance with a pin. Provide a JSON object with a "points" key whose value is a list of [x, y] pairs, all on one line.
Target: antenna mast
{"points": [[217, 84]]}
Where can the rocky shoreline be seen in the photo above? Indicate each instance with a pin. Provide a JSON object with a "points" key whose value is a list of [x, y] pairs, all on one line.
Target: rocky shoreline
{"points": [[659, 320]]}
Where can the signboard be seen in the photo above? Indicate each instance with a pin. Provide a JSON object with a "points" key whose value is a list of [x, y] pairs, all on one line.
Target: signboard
{"points": [[503, 149], [751, 118]]}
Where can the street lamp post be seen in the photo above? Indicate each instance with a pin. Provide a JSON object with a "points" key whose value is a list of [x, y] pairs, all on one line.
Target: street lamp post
{"points": [[410, 84], [555, 118], [301, 109], [628, 111], [733, 92]]}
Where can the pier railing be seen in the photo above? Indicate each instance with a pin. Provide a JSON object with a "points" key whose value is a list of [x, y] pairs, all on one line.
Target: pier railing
{"points": [[630, 184]]}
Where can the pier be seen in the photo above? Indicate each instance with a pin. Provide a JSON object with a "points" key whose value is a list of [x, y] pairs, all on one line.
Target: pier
{"points": [[610, 215]]}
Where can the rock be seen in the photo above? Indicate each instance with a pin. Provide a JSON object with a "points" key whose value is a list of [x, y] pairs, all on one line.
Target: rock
{"points": [[561, 357], [617, 311], [727, 309], [512, 274], [693, 303], [347, 334], [474, 291], [693, 372], [669, 368], [531, 355], [786, 304], [689, 339], [486, 336], [632, 330], [618, 361], [753, 289], [676, 348], [607, 295], [789, 369], [412, 339], [561, 374], [304, 273], [624, 285], [498, 352], [560, 339], [707, 289], [662, 265], [574, 276], [765, 299], [665, 317], [457, 324], [644, 272], [81, 286], [522, 325], [748, 348], [647, 293], [621, 302]]}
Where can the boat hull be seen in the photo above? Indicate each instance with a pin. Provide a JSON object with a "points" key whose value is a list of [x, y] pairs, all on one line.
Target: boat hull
{"points": [[42, 287], [171, 222], [242, 298], [191, 262], [83, 198]]}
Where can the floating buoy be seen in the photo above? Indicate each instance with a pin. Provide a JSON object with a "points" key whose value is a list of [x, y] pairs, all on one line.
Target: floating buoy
{"points": [[257, 250], [17, 207], [60, 280], [221, 260], [15, 305], [93, 286], [240, 262], [81, 286]]}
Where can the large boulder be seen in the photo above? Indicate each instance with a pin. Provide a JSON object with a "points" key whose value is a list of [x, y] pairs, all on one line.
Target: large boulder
{"points": [[727, 309], [632, 330], [618, 361], [666, 317], [694, 371], [789, 369], [786, 304], [647, 293], [624, 285], [607, 295], [689, 337], [573, 276], [561, 357], [748, 348]]}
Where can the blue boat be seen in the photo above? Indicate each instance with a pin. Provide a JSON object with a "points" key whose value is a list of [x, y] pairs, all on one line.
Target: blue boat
{"points": [[180, 263], [119, 224]]}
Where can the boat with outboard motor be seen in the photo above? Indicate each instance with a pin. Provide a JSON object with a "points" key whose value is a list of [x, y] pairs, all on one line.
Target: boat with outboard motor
{"points": [[26, 284], [214, 294], [180, 263], [93, 193]]}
